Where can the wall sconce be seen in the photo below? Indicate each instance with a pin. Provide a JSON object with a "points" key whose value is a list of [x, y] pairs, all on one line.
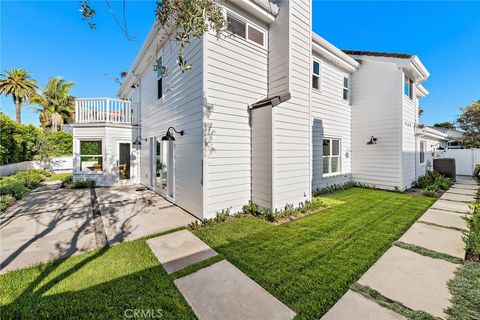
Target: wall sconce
{"points": [[169, 136], [137, 142], [372, 140]]}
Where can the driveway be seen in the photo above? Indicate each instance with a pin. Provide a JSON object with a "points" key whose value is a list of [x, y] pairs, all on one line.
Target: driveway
{"points": [[56, 222]]}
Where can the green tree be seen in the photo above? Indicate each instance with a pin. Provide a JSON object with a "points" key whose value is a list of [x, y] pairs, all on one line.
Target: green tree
{"points": [[446, 125], [55, 104], [20, 85], [469, 122], [180, 19], [18, 141]]}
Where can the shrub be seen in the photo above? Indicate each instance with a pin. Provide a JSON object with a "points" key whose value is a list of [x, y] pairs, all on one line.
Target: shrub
{"points": [[84, 183], [67, 182], [433, 179], [430, 192], [472, 238], [13, 187], [61, 142], [5, 201], [220, 216], [31, 179], [339, 187]]}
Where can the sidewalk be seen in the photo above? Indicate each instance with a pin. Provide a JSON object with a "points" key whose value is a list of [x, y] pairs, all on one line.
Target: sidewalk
{"points": [[419, 282]]}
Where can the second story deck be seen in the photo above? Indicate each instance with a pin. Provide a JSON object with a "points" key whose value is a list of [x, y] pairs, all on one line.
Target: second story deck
{"points": [[105, 110]]}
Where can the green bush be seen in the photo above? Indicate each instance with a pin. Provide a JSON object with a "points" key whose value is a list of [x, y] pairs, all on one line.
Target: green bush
{"points": [[472, 238], [19, 184], [13, 187], [18, 140], [433, 180], [67, 182], [338, 187], [5, 201], [83, 184], [61, 142]]}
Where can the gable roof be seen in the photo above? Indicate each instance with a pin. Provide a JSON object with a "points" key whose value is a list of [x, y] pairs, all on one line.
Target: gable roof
{"points": [[379, 54]]}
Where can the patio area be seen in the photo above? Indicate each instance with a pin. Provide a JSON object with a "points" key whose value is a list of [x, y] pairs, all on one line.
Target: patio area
{"points": [[57, 222]]}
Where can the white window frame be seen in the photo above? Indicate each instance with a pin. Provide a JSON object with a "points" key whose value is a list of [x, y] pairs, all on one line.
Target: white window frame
{"points": [[329, 157], [79, 141], [424, 144], [317, 75], [159, 77], [346, 88], [410, 86], [248, 23]]}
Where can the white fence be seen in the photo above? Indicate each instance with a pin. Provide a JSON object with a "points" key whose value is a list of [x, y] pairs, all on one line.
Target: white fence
{"points": [[465, 159], [56, 164]]}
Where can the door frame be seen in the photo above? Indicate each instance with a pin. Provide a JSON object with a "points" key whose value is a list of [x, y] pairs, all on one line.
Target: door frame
{"points": [[117, 166], [170, 192]]}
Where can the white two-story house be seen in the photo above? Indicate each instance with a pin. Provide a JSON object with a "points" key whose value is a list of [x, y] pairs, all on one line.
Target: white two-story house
{"points": [[269, 112]]}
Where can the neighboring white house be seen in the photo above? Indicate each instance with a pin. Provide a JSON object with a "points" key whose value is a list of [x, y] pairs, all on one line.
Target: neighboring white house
{"points": [[268, 113]]}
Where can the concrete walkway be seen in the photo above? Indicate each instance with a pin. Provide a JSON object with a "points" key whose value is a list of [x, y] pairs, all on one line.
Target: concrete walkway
{"points": [[416, 281], [220, 291], [56, 222]]}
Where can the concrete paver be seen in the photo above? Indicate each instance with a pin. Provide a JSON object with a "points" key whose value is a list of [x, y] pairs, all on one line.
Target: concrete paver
{"points": [[445, 218], [179, 249], [132, 220], [355, 306], [468, 192], [32, 238], [466, 180], [418, 282], [461, 207], [124, 194], [457, 197], [435, 238], [221, 291], [464, 186]]}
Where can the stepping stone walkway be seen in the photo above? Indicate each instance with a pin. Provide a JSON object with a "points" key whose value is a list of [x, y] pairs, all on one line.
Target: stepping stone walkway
{"points": [[416, 281], [220, 291]]}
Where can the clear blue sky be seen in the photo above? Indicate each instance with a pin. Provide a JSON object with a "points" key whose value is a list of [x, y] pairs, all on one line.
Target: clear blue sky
{"points": [[48, 38]]}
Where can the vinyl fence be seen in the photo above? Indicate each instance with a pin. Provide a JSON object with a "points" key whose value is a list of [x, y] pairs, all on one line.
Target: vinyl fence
{"points": [[56, 164], [465, 159]]}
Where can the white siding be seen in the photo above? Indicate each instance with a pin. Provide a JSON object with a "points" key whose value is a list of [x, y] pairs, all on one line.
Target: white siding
{"points": [[291, 119], [236, 76], [278, 57], [262, 156], [376, 111], [181, 107], [408, 141], [331, 118], [431, 144]]}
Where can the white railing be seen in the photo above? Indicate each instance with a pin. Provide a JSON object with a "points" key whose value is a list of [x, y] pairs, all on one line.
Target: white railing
{"points": [[94, 110]]}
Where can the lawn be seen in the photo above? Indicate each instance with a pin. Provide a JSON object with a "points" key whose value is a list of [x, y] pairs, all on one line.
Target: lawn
{"points": [[58, 176], [310, 263], [102, 284]]}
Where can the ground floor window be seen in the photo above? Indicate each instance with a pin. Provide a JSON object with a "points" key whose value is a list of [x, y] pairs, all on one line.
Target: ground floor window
{"points": [[91, 155], [422, 151], [331, 156]]}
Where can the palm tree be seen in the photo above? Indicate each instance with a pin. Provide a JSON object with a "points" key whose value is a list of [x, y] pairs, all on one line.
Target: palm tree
{"points": [[20, 85], [56, 105]]}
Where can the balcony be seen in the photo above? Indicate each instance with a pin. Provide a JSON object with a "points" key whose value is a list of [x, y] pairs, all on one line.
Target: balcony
{"points": [[104, 110]]}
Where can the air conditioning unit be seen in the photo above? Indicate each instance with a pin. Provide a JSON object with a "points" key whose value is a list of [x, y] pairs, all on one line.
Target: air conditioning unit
{"points": [[445, 166]]}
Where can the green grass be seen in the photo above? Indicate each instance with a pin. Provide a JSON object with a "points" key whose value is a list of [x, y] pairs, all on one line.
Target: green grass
{"points": [[101, 284], [310, 263], [58, 176], [465, 289]]}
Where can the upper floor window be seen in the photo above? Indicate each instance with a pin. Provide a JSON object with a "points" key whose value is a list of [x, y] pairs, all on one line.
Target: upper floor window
{"points": [[316, 75], [408, 87], [331, 156], [346, 87], [159, 78], [245, 30]]}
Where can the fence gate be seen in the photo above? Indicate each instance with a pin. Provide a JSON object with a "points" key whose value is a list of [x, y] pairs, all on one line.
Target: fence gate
{"points": [[465, 159]]}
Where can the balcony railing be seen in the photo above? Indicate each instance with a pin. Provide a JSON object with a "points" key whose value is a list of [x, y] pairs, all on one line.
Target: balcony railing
{"points": [[103, 110]]}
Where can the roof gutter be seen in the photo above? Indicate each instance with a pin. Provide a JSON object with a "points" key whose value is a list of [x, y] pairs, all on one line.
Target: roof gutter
{"points": [[333, 54]]}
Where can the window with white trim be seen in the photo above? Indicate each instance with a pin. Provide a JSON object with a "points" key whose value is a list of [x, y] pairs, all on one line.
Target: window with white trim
{"points": [[331, 156], [316, 75], [244, 29], [408, 87], [346, 88], [422, 151], [91, 156]]}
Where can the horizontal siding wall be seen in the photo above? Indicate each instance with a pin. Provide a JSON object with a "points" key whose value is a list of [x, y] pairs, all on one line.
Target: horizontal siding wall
{"points": [[408, 141], [292, 132], [376, 111], [181, 107], [331, 118], [236, 76]]}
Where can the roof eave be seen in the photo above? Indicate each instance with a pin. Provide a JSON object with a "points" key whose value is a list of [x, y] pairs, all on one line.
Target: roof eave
{"points": [[333, 54]]}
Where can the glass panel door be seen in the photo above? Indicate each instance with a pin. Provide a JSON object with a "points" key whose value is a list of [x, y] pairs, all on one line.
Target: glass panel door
{"points": [[164, 167], [124, 161]]}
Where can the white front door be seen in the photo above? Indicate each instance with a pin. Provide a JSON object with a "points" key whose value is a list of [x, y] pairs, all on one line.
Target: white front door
{"points": [[163, 167]]}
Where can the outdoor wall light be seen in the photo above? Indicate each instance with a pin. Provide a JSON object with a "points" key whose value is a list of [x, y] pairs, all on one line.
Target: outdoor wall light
{"points": [[372, 140], [169, 136], [137, 142]]}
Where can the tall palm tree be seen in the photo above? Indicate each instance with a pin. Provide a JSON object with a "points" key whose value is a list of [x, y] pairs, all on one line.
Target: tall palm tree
{"points": [[56, 105], [20, 85]]}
